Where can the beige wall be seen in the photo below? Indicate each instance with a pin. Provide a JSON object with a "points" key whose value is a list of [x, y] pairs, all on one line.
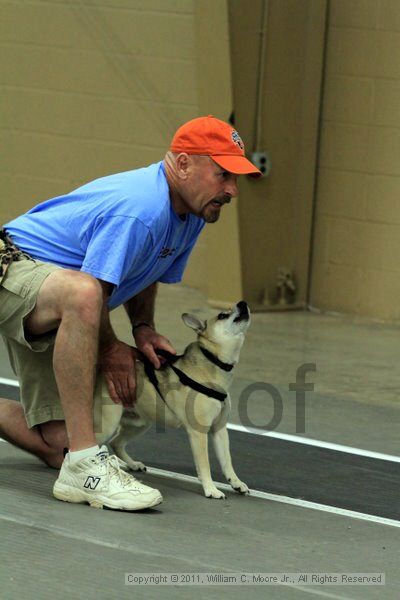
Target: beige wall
{"points": [[215, 264], [275, 213], [92, 87], [356, 266], [269, 225], [89, 87]]}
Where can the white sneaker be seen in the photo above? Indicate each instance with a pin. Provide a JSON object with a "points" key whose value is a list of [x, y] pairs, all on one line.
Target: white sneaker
{"points": [[100, 481]]}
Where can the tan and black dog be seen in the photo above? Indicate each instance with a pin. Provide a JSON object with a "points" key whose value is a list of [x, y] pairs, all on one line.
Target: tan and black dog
{"points": [[190, 391]]}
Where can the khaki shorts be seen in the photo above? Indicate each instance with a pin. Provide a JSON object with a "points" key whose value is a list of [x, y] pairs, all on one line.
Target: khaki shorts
{"points": [[31, 357]]}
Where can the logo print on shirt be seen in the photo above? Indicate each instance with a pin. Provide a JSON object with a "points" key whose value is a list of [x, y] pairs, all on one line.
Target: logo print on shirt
{"points": [[165, 252]]}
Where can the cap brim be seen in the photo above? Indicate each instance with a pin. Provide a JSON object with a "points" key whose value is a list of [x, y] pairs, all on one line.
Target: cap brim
{"points": [[239, 165]]}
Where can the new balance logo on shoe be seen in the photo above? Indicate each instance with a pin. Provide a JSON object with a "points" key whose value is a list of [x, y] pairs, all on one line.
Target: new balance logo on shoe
{"points": [[91, 482]]}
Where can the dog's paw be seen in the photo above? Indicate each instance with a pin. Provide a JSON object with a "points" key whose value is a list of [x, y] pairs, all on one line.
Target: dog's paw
{"points": [[132, 465], [214, 493], [136, 465], [239, 486]]}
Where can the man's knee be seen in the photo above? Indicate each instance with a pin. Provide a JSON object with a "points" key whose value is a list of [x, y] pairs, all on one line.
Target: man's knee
{"points": [[54, 433], [83, 295], [65, 293]]}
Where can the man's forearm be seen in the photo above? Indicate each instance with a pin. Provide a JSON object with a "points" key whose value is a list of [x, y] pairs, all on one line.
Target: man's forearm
{"points": [[140, 308]]}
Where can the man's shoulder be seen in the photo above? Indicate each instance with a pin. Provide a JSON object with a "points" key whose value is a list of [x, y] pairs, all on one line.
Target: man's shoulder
{"points": [[132, 180], [141, 193]]}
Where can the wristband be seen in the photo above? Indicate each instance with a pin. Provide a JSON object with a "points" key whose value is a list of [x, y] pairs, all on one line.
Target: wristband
{"points": [[140, 325]]}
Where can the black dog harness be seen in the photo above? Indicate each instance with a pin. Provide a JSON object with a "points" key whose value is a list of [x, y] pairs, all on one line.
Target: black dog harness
{"points": [[185, 379]]}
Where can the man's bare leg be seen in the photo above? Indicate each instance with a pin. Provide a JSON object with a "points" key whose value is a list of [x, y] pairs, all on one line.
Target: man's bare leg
{"points": [[75, 304], [72, 301], [44, 441]]}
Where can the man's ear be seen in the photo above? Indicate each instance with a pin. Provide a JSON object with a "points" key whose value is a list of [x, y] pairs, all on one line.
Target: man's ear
{"points": [[194, 322], [182, 163]]}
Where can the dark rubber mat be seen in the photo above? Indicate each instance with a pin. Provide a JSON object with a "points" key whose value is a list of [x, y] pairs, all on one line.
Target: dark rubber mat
{"points": [[357, 483], [366, 485]]}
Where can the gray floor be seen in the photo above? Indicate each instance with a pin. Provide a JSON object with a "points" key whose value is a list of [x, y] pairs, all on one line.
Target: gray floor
{"points": [[50, 548]]}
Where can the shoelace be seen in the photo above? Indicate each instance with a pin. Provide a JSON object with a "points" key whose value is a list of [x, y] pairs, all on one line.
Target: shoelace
{"points": [[114, 464]]}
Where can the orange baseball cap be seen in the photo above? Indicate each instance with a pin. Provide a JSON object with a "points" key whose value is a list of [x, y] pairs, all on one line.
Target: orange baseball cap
{"points": [[216, 139]]}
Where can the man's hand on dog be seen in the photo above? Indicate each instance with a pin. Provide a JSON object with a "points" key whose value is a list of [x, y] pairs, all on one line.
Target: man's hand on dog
{"points": [[117, 363], [149, 341]]}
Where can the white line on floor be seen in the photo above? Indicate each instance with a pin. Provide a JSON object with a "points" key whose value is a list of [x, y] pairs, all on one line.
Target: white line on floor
{"points": [[283, 499], [11, 382], [310, 442], [277, 498], [287, 437]]}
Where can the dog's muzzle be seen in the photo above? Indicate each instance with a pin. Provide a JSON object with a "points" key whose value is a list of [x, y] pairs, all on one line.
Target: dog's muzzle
{"points": [[244, 313]]}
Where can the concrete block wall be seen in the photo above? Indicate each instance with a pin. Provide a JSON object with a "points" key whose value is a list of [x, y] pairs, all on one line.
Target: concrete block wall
{"points": [[89, 88], [356, 264], [276, 212]]}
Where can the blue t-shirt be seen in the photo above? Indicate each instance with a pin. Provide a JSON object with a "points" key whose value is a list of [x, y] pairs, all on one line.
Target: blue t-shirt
{"points": [[121, 229]]}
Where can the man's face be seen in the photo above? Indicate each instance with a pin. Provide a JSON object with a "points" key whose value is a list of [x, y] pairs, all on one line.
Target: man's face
{"points": [[207, 188]]}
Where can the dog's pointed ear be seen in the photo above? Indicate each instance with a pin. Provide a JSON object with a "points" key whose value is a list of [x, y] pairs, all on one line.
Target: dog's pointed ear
{"points": [[194, 322]]}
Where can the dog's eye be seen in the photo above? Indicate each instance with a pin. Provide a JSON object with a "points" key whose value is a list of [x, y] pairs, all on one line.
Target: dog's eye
{"points": [[223, 316]]}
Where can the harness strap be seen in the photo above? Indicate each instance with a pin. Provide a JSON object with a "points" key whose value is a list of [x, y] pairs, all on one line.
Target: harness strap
{"points": [[214, 359], [183, 378], [198, 387], [151, 374]]}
